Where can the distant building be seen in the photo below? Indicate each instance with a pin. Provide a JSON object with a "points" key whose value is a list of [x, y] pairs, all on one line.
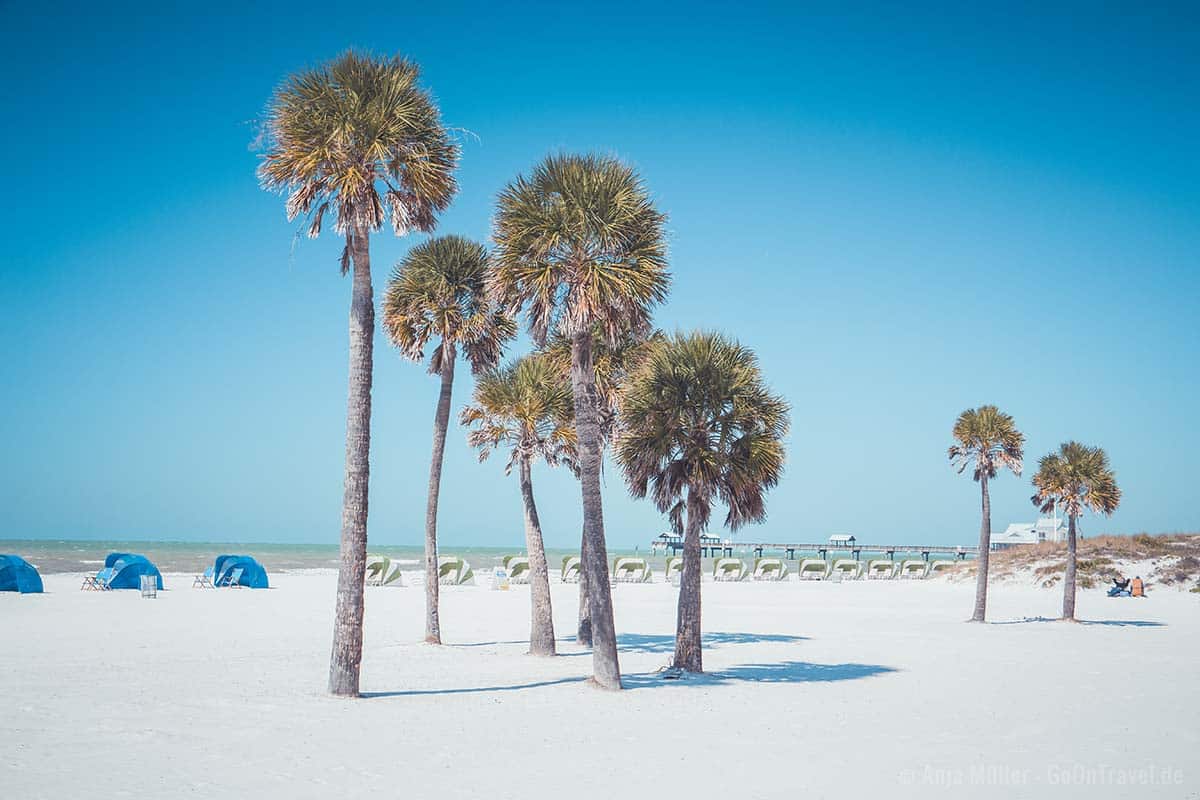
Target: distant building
{"points": [[1044, 530], [841, 539]]}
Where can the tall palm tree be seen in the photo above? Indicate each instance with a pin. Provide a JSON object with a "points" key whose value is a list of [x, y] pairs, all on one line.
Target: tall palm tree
{"points": [[1076, 477], [698, 425], [612, 362], [987, 439], [357, 138], [439, 292], [527, 407], [578, 244]]}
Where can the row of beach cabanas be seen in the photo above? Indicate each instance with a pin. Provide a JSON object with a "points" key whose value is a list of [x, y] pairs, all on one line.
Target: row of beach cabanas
{"points": [[637, 570], [454, 571], [135, 571]]}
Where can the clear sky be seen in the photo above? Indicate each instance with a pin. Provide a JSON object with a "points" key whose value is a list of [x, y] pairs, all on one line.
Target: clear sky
{"points": [[904, 215]]}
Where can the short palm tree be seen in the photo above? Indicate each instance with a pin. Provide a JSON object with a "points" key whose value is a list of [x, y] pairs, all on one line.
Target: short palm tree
{"points": [[579, 244], [358, 139], [698, 426], [987, 439], [526, 408], [438, 292], [1075, 478], [612, 362]]}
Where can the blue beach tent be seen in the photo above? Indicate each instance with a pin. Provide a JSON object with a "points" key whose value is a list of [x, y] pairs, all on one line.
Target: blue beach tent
{"points": [[18, 575], [252, 575], [124, 571]]}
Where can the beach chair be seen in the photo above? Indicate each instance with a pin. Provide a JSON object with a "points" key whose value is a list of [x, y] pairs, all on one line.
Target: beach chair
{"points": [[913, 569], [233, 580], [847, 569], [381, 572], [813, 569], [729, 569], [941, 565], [631, 570], [770, 569], [674, 570], [517, 568], [204, 581], [99, 581], [453, 571], [881, 569], [570, 569]]}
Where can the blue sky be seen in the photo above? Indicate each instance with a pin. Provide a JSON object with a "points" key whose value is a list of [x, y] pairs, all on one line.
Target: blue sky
{"points": [[904, 215]]}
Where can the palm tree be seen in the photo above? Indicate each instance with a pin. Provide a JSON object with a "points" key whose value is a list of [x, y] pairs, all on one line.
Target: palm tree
{"points": [[1076, 477], [612, 363], [699, 425], [357, 138], [988, 439], [439, 291], [578, 244], [526, 407]]}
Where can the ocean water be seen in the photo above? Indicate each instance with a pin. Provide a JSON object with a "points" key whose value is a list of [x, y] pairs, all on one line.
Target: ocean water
{"points": [[55, 556]]}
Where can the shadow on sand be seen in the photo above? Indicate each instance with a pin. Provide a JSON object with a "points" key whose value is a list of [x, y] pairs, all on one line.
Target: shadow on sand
{"points": [[782, 672], [1115, 623], [652, 643], [473, 689]]}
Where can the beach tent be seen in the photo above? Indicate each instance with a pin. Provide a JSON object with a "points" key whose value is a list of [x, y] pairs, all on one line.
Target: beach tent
{"points": [[252, 575], [18, 575], [125, 570]]}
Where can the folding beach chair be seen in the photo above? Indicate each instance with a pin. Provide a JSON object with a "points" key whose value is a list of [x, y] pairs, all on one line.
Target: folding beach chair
{"points": [[233, 580]]}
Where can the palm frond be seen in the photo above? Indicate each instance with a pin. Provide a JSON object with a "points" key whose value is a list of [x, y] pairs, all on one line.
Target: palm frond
{"points": [[986, 439], [697, 418], [359, 138], [1076, 477], [580, 243], [526, 407], [439, 291]]}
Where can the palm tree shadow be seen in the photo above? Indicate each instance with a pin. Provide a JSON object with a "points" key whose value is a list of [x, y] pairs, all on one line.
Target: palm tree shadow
{"points": [[650, 643], [1116, 623], [471, 689], [782, 672]]}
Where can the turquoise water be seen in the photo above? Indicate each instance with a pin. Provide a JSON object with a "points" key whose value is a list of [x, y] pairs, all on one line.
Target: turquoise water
{"points": [[51, 556]]}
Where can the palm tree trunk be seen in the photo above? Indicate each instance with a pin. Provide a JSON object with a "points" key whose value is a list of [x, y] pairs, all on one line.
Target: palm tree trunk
{"points": [[1069, 580], [541, 622], [441, 422], [346, 657], [985, 544], [583, 634], [687, 627], [606, 671]]}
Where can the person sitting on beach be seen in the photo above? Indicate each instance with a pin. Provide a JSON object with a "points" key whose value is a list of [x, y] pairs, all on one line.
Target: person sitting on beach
{"points": [[1138, 589], [1120, 587]]}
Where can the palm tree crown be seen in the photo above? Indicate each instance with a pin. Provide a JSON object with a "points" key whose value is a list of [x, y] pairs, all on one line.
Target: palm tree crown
{"points": [[580, 243], [439, 290], [354, 136], [1077, 477], [987, 438], [697, 416], [524, 406]]}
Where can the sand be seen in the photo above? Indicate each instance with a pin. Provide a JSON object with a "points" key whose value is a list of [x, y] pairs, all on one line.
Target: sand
{"points": [[813, 690]]}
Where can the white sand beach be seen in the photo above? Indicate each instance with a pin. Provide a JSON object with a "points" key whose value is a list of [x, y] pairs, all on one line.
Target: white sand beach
{"points": [[813, 690]]}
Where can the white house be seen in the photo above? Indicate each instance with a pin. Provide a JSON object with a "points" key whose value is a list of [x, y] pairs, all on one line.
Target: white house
{"points": [[843, 539], [1044, 530]]}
